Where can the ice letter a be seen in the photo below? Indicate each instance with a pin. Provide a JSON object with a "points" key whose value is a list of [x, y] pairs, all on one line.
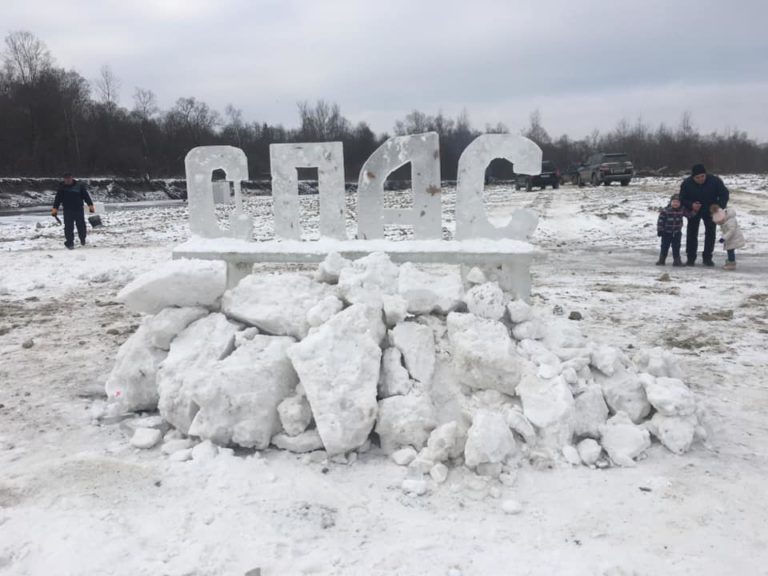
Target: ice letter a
{"points": [[423, 152]]}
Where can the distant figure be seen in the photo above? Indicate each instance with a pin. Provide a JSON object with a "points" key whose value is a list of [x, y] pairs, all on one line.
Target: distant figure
{"points": [[732, 236], [669, 228], [698, 193], [72, 194]]}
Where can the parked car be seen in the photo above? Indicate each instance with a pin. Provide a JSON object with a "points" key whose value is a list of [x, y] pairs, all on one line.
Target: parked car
{"points": [[571, 174], [606, 168], [550, 176]]}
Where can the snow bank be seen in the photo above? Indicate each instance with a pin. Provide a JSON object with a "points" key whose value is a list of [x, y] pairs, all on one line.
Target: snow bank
{"points": [[440, 379]]}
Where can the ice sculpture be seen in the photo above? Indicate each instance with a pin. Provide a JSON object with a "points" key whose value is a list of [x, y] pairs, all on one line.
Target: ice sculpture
{"points": [[200, 164], [471, 219], [328, 158], [423, 152]]}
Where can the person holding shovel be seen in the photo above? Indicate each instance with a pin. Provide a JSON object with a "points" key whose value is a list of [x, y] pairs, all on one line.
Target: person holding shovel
{"points": [[72, 195]]}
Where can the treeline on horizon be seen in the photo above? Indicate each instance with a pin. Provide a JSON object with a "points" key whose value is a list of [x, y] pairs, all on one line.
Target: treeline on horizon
{"points": [[55, 120]]}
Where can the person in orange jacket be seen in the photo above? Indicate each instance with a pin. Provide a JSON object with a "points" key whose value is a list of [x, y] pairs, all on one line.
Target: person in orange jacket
{"points": [[72, 195]]}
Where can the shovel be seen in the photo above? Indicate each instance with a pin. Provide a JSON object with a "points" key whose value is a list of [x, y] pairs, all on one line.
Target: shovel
{"points": [[95, 220], [57, 220]]}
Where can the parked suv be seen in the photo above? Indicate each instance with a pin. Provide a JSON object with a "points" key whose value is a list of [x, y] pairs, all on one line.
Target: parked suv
{"points": [[550, 176], [606, 168]]}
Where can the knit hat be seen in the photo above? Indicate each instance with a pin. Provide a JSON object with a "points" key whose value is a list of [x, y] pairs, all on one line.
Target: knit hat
{"points": [[674, 197], [698, 169]]}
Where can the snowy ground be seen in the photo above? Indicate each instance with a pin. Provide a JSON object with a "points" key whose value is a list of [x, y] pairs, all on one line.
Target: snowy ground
{"points": [[76, 499]]}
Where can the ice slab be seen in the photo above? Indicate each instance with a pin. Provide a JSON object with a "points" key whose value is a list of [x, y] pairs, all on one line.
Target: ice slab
{"points": [[238, 397], [338, 365], [277, 304], [484, 356], [177, 283], [203, 342]]}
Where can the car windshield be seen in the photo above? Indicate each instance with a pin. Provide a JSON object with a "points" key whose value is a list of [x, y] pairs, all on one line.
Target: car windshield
{"points": [[547, 166]]}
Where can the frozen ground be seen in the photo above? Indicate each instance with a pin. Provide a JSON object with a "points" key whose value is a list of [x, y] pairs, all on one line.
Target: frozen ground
{"points": [[76, 499]]}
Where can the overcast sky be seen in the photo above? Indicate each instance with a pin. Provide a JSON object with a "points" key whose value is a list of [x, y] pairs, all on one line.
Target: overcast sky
{"points": [[583, 64]]}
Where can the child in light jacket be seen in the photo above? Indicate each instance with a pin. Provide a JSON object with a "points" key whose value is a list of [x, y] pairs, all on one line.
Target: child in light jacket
{"points": [[732, 236]]}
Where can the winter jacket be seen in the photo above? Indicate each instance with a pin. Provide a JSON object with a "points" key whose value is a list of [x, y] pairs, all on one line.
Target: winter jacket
{"points": [[713, 191], [72, 196], [729, 227], [670, 220]]}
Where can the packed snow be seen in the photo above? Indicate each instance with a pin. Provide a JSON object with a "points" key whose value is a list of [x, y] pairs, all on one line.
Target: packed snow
{"points": [[384, 430]]}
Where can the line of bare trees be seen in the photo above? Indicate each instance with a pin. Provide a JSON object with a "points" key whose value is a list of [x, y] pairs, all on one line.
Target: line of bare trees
{"points": [[54, 120]]}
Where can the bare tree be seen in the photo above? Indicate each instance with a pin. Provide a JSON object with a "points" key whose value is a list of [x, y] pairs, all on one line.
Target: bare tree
{"points": [[686, 129], [415, 123], [107, 86], [193, 119], [75, 98], [144, 104], [25, 57], [322, 122], [234, 123], [144, 109], [535, 130]]}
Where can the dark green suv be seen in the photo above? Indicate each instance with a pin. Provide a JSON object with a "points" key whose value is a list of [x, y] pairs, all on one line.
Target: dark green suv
{"points": [[606, 168], [550, 176]]}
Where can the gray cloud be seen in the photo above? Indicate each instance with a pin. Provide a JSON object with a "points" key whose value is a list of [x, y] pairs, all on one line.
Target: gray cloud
{"points": [[585, 65]]}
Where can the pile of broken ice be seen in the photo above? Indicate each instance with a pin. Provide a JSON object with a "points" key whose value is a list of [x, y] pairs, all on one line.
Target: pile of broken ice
{"points": [[438, 374]]}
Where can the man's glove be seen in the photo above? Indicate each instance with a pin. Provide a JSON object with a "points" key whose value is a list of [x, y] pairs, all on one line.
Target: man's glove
{"points": [[91, 209], [659, 234], [695, 207], [54, 211]]}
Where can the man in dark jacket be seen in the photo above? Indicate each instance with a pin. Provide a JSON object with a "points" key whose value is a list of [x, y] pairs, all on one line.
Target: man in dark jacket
{"points": [[72, 194], [697, 193]]}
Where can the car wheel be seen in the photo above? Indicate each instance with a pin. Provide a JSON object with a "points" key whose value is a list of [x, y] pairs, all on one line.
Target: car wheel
{"points": [[528, 186], [517, 185], [594, 181], [625, 182], [556, 185], [579, 181]]}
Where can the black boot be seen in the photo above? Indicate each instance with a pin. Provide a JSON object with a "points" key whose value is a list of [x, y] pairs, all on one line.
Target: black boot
{"points": [[708, 263], [691, 262], [677, 262], [661, 261]]}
